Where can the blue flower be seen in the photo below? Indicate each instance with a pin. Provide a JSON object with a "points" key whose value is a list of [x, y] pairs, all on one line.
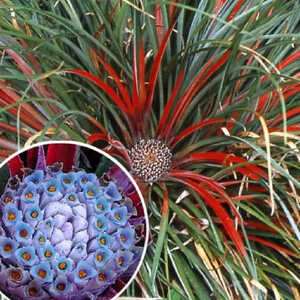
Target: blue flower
{"points": [[111, 192], [102, 256], [23, 232], [78, 252], [119, 215], [104, 240], [46, 226], [40, 239], [33, 213], [71, 198], [11, 215], [91, 191], [66, 180], [26, 256], [30, 194], [7, 246], [42, 272], [101, 223], [60, 286], [36, 177], [84, 272], [47, 253], [64, 265], [105, 276], [123, 259], [102, 206], [86, 178], [52, 187], [126, 237]]}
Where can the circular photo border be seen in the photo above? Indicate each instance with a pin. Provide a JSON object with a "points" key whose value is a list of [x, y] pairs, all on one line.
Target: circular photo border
{"points": [[116, 162]]}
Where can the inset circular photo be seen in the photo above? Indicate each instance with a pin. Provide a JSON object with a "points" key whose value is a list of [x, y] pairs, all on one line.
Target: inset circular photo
{"points": [[73, 224]]}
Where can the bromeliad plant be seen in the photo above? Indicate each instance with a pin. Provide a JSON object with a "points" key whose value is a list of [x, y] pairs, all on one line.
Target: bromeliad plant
{"points": [[199, 100], [65, 233]]}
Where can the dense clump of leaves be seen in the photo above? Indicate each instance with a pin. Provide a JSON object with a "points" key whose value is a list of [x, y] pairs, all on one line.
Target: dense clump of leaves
{"points": [[217, 81]]}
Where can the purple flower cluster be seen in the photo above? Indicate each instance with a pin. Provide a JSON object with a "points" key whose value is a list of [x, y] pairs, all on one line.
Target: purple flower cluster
{"points": [[65, 236]]}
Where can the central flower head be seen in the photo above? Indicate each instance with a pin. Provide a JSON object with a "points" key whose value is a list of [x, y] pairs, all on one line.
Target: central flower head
{"points": [[150, 160]]}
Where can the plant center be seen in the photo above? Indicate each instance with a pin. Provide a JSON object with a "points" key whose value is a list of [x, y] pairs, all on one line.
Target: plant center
{"points": [[150, 160]]}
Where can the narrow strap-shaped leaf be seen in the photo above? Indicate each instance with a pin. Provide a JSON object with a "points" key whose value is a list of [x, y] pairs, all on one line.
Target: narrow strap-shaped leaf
{"points": [[221, 213], [208, 69], [155, 68], [104, 86], [250, 170], [212, 184], [167, 109], [189, 130], [121, 87], [272, 245], [162, 233]]}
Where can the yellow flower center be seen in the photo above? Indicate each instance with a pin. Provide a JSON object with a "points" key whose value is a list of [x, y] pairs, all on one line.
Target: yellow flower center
{"points": [[48, 254], [123, 238], [34, 214], [7, 200], [26, 256], [42, 273], [120, 261], [62, 266], [15, 275], [90, 193], [117, 217], [7, 248], [99, 257], [41, 240], [82, 274], [66, 181], [102, 277], [71, 198], [23, 233], [51, 188], [33, 292], [61, 286], [29, 195], [103, 241], [11, 216], [100, 206], [99, 224]]}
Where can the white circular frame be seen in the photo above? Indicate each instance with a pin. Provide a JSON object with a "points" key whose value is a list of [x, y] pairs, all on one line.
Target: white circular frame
{"points": [[115, 161]]}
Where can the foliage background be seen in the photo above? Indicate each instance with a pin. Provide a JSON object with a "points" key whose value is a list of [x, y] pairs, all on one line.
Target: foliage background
{"points": [[255, 88]]}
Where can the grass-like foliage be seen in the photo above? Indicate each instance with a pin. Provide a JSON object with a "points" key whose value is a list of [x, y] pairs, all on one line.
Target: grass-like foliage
{"points": [[200, 100]]}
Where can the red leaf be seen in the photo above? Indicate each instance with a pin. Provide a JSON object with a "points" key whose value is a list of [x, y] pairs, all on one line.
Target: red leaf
{"points": [[252, 171], [212, 185], [221, 213], [15, 166], [65, 153], [189, 130], [162, 122], [284, 63], [159, 24], [122, 89], [194, 87], [104, 86], [155, 68], [235, 10], [272, 245], [31, 157]]}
